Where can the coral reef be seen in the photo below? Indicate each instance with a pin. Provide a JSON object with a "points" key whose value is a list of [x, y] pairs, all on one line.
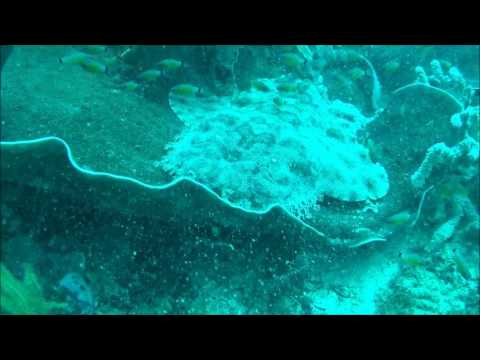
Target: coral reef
{"points": [[439, 282], [450, 80], [425, 293], [297, 179], [463, 156]]}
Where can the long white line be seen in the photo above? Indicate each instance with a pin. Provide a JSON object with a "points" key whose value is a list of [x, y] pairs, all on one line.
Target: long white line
{"points": [[155, 187]]}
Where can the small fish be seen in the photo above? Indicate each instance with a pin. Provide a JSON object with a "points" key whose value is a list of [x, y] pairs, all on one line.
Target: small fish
{"points": [[260, 85], [170, 64], [292, 60], [185, 90], [277, 100], [75, 58], [112, 60], [392, 66], [150, 75], [411, 260], [241, 100], [356, 73], [400, 218], [131, 85], [94, 66], [287, 87], [452, 187], [446, 65], [335, 133], [288, 48], [94, 49]]}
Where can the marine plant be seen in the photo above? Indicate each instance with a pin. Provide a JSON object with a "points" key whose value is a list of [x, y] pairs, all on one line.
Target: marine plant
{"points": [[24, 297]]}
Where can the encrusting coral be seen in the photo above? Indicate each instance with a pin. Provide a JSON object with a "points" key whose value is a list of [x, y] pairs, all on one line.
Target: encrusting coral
{"points": [[465, 153]]}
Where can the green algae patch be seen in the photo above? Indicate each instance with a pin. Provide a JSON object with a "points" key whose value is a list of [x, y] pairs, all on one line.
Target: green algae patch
{"points": [[24, 297]]}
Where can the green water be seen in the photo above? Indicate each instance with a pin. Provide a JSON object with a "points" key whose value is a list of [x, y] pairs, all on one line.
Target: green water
{"points": [[239, 179]]}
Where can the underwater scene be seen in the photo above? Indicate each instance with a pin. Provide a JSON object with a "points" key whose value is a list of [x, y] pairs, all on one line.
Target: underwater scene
{"points": [[239, 179]]}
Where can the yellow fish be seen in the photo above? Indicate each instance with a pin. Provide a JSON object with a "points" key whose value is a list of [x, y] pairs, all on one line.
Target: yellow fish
{"points": [[292, 60], [412, 260], [131, 85], [278, 101], [260, 85], [75, 58], [446, 65], [170, 64], [356, 73], [392, 66], [94, 49], [150, 75], [110, 60], [287, 87], [185, 90], [94, 66], [452, 187], [400, 218]]}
